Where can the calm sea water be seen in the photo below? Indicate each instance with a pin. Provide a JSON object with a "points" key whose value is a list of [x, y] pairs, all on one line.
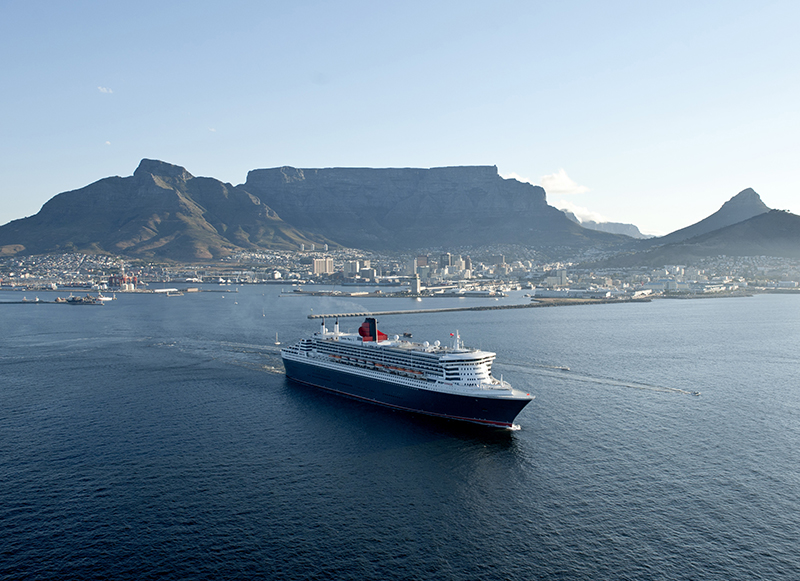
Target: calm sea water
{"points": [[156, 437]]}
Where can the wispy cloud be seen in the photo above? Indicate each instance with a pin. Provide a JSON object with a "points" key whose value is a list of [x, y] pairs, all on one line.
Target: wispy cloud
{"points": [[516, 176], [581, 213], [108, 143], [560, 183], [212, 130], [104, 90]]}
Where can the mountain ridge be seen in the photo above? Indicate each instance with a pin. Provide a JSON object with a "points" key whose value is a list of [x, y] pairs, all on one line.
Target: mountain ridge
{"points": [[775, 233], [743, 206], [162, 210]]}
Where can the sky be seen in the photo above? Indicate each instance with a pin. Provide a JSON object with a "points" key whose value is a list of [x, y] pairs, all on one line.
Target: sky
{"points": [[648, 113]]}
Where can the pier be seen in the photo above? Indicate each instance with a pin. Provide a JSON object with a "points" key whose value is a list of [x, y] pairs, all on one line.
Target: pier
{"points": [[532, 305]]}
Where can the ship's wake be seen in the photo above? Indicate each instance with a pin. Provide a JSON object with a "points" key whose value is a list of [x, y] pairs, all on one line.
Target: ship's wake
{"points": [[263, 358], [559, 371]]}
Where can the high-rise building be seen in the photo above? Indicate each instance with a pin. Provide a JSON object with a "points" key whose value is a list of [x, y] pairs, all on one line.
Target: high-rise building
{"points": [[323, 266], [416, 287], [351, 267]]}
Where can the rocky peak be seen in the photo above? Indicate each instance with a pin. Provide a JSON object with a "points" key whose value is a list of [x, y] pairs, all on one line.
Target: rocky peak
{"points": [[743, 206], [162, 169], [747, 199]]}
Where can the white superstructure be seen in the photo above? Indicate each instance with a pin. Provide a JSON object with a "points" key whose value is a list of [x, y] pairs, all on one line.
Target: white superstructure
{"points": [[453, 369]]}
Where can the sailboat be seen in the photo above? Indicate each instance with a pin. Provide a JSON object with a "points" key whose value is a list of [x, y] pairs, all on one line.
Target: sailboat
{"points": [[276, 338]]}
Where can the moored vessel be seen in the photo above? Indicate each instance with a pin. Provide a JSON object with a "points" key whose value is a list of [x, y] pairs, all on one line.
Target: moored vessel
{"points": [[451, 382]]}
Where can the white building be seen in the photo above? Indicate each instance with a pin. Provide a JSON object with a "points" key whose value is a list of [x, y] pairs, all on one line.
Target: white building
{"points": [[323, 266], [351, 267]]}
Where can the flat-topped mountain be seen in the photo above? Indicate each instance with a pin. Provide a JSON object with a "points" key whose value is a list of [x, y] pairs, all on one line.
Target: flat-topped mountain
{"points": [[161, 211], [405, 208]]}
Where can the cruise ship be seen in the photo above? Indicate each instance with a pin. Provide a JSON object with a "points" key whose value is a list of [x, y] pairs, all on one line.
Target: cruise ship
{"points": [[451, 382]]}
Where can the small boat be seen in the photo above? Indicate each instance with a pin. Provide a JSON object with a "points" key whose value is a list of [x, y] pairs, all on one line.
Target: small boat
{"points": [[87, 300], [276, 338]]}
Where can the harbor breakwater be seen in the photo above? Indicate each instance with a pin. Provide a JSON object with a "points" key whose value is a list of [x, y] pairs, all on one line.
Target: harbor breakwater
{"points": [[532, 305]]}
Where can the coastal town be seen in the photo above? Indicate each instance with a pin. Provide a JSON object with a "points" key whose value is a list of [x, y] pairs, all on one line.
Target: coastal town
{"points": [[460, 272]]}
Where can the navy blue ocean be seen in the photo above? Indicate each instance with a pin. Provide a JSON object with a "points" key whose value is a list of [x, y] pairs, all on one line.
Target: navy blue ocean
{"points": [[158, 438]]}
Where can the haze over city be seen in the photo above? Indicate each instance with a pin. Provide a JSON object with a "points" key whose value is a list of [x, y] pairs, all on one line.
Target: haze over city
{"points": [[647, 114]]}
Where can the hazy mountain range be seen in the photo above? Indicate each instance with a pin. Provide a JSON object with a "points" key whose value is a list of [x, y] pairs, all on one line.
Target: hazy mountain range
{"points": [[612, 227], [164, 212]]}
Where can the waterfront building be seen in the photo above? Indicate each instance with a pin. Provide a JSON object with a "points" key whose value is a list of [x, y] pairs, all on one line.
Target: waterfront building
{"points": [[323, 266]]}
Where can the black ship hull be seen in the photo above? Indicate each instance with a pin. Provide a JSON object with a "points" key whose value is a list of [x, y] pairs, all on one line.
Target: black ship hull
{"points": [[498, 412]]}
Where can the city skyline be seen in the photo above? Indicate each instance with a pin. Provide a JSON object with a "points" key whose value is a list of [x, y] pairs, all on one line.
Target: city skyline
{"points": [[643, 114]]}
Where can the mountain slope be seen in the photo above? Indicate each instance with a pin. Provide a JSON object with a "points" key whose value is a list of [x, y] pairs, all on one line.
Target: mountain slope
{"points": [[775, 233], [744, 205], [161, 211]]}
